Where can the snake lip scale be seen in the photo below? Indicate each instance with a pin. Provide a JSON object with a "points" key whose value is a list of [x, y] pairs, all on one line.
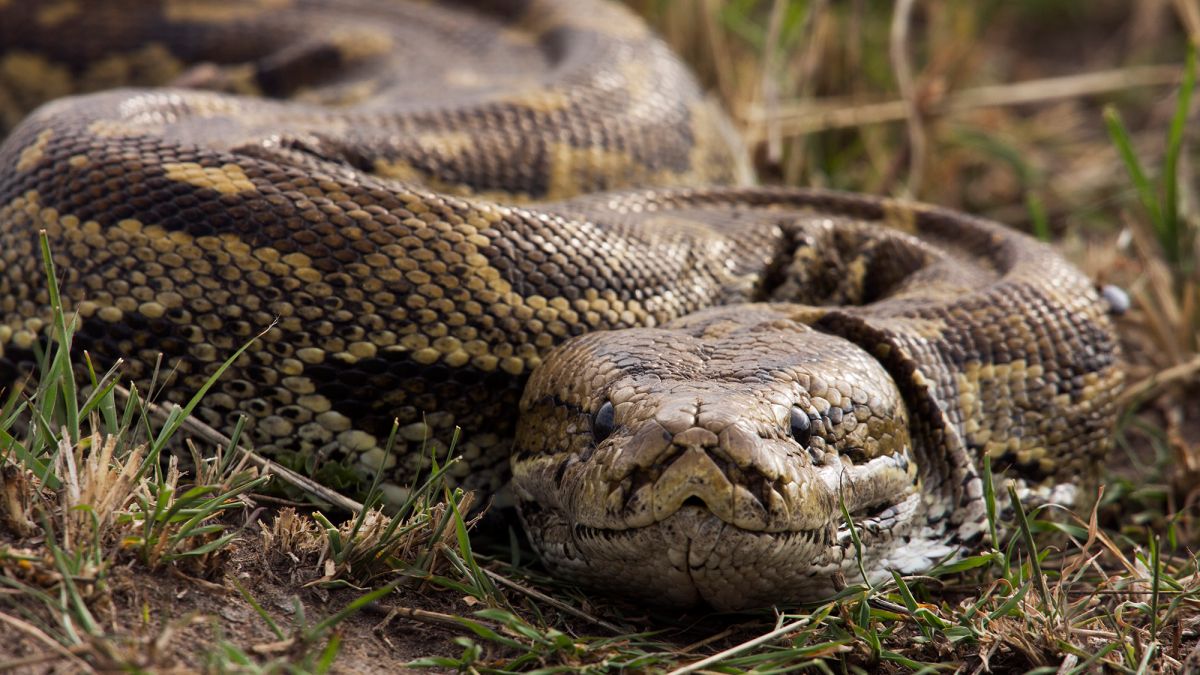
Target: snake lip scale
{"points": [[524, 218]]}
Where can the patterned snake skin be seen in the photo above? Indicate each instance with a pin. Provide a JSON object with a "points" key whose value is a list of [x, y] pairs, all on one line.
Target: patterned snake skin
{"points": [[455, 211]]}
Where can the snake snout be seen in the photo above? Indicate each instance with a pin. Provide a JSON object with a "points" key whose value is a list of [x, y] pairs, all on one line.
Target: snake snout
{"points": [[741, 470]]}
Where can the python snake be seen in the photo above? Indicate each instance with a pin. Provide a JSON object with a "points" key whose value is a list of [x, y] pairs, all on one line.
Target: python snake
{"points": [[457, 211]]}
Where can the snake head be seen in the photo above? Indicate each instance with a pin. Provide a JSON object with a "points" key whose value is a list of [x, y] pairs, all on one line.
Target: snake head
{"points": [[714, 461]]}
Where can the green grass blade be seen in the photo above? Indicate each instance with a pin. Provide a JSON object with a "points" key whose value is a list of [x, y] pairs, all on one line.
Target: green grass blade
{"points": [[1120, 138], [29, 460], [989, 499], [1037, 215], [102, 397], [62, 335], [351, 608], [1155, 585], [177, 416], [254, 604], [329, 654], [856, 540], [1031, 547], [231, 452]]}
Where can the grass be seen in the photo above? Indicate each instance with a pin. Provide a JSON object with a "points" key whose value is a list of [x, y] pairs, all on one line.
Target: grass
{"points": [[1083, 154]]}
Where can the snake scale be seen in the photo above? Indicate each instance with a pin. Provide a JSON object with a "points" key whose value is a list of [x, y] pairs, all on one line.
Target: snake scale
{"points": [[457, 212]]}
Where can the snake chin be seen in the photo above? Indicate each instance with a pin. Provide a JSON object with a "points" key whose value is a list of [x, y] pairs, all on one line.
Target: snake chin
{"points": [[717, 464], [694, 558]]}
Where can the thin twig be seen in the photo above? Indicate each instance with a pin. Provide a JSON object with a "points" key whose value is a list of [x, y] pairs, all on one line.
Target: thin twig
{"points": [[706, 641], [723, 67], [810, 62], [770, 79], [1189, 16], [738, 649], [426, 616], [837, 113], [902, 64], [557, 604], [1183, 372]]}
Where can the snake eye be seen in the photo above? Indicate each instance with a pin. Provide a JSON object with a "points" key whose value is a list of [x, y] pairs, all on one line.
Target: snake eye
{"points": [[602, 422], [801, 426]]}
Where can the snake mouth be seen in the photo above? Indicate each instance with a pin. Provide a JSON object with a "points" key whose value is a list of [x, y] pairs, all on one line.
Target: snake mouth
{"points": [[694, 558], [584, 536], [871, 519]]}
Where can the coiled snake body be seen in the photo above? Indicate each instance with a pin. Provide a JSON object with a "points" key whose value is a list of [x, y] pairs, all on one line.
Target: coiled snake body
{"points": [[435, 201]]}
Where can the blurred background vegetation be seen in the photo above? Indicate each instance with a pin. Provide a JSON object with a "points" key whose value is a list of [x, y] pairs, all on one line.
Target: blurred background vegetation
{"points": [[1006, 94]]}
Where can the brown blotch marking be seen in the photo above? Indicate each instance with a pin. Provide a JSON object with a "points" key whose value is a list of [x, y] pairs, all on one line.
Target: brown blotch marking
{"points": [[30, 79], [245, 83], [121, 128], [445, 145], [226, 179], [405, 172], [575, 170], [1002, 409], [150, 64], [545, 101], [543, 16], [32, 154], [360, 43], [57, 12]]}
